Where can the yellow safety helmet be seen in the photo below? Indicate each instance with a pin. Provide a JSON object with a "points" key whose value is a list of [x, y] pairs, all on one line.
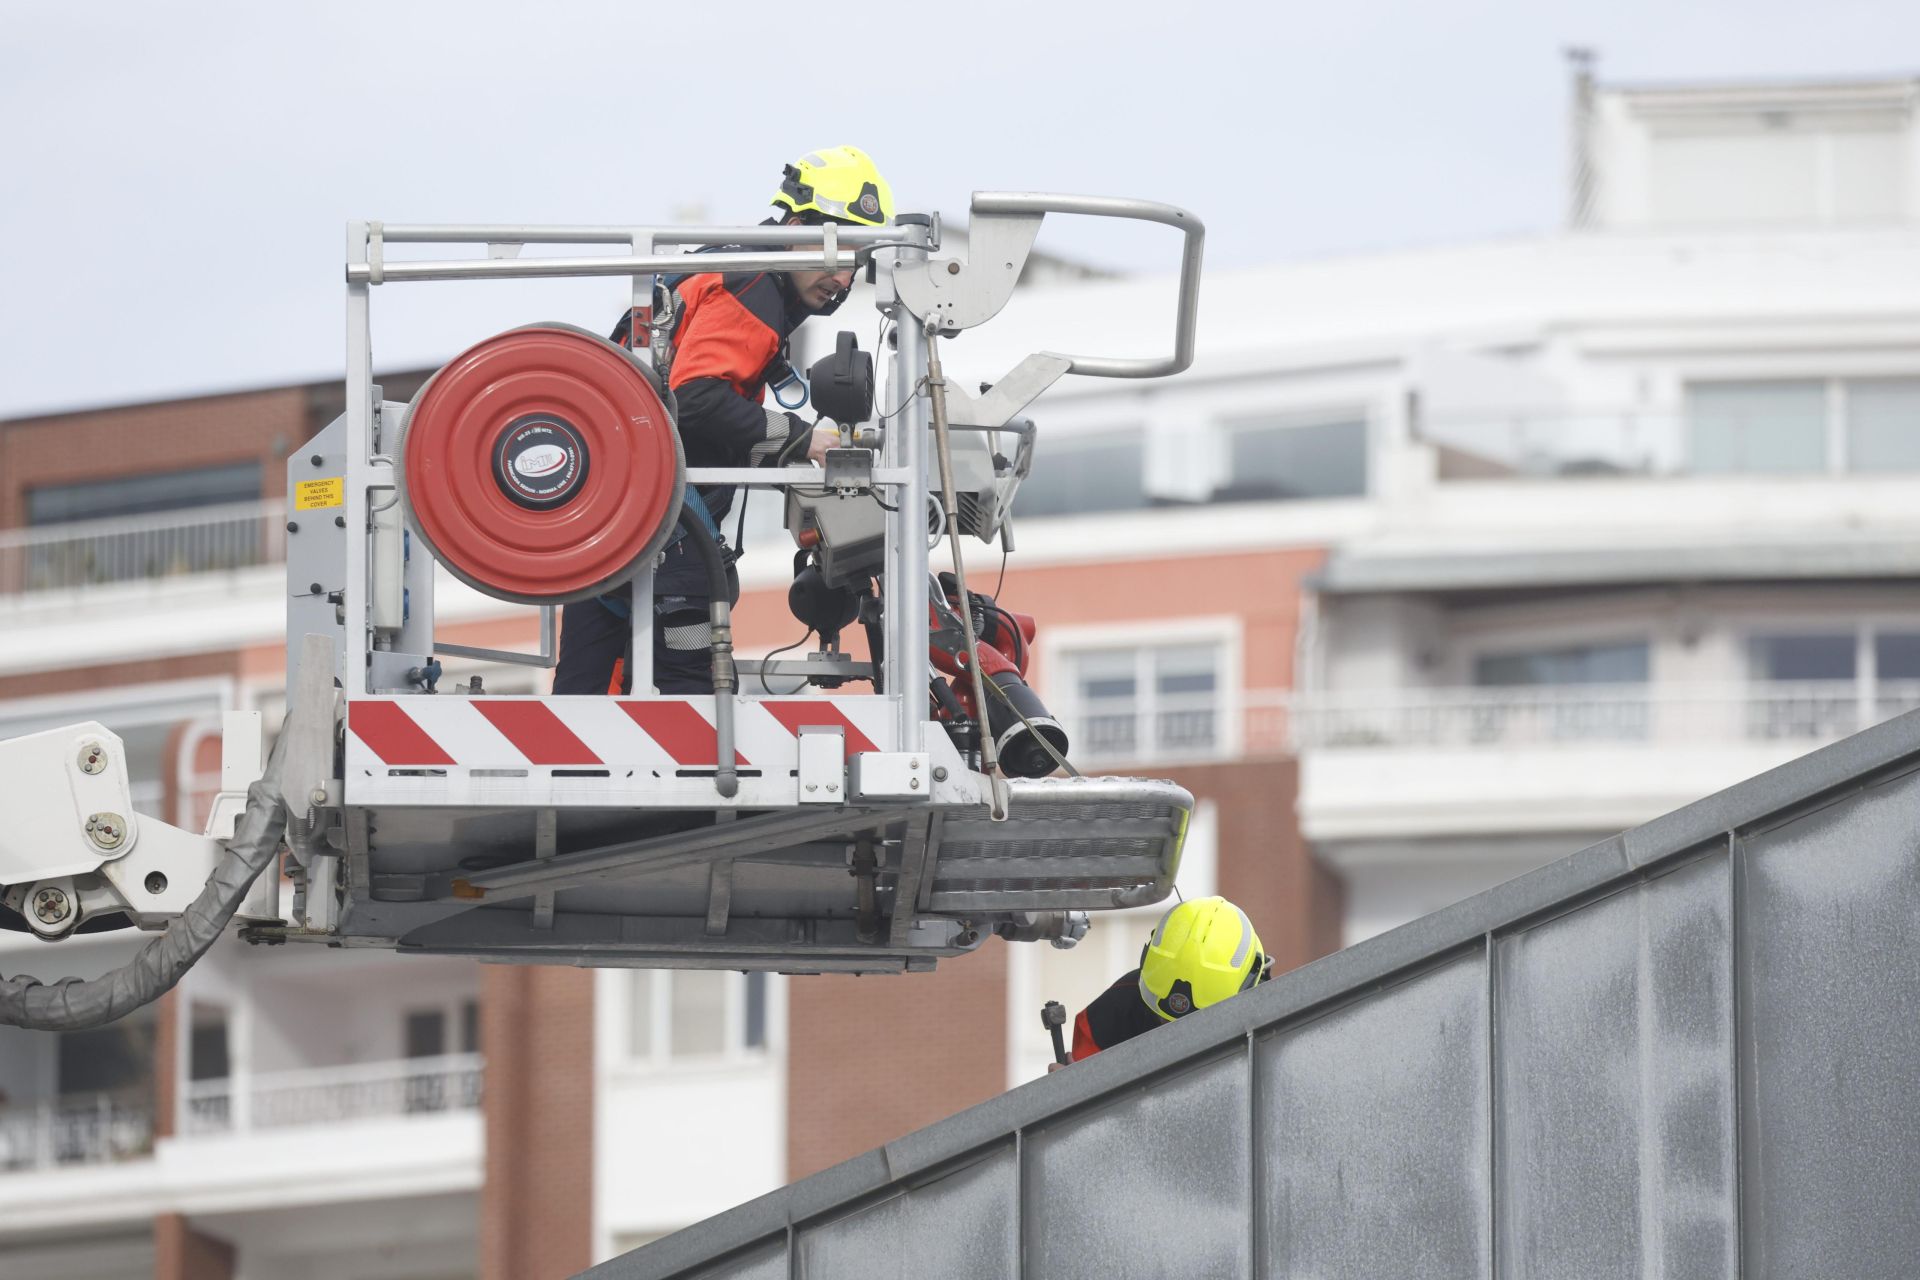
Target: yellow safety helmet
{"points": [[837, 182], [1201, 952]]}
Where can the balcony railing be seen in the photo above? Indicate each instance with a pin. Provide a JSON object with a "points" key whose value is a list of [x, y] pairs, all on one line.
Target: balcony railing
{"points": [[1622, 714], [332, 1095], [87, 553], [96, 1129]]}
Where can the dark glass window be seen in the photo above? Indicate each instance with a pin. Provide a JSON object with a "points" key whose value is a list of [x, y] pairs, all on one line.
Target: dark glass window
{"points": [[207, 1051], [1896, 655], [1804, 657], [105, 1059], [1582, 664], [1080, 475], [470, 1027], [426, 1033], [142, 494], [1269, 461]]}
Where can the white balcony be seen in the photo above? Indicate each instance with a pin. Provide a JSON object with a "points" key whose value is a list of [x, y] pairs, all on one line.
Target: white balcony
{"points": [[1423, 763], [334, 1095], [100, 1129], [86, 553]]}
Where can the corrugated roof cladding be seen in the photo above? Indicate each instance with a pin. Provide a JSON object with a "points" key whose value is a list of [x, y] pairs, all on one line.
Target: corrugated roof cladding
{"points": [[1575, 1073]]}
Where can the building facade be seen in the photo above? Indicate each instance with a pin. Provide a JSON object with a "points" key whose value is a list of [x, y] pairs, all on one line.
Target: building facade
{"points": [[1435, 567]]}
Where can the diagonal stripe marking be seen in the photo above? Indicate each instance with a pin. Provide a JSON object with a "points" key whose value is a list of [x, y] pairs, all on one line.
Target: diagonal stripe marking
{"points": [[536, 732], [391, 734], [681, 731], [802, 712]]}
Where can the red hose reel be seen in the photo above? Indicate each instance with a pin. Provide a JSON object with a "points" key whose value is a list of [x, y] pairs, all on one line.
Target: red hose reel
{"points": [[542, 465]]}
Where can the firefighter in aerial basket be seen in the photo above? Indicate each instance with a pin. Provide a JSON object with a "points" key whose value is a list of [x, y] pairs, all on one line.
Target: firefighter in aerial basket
{"points": [[721, 342], [1200, 953]]}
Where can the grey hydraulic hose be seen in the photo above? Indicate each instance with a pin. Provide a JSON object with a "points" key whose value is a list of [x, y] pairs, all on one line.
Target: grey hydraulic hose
{"points": [[726, 774], [73, 1004]]}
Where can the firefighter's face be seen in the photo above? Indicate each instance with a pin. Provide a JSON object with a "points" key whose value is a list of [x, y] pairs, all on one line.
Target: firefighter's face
{"points": [[820, 289]]}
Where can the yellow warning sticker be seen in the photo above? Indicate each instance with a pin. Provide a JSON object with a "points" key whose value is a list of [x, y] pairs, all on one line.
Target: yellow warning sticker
{"points": [[311, 495]]}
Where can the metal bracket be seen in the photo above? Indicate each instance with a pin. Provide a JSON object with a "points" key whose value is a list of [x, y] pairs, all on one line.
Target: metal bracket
{"points": [[953, 293], [546, 832], [1020, 388], [311, 709], [849, 470]]}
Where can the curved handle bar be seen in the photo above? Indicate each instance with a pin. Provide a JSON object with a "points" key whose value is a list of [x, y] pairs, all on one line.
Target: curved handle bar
{"points": [[1187, 308]]}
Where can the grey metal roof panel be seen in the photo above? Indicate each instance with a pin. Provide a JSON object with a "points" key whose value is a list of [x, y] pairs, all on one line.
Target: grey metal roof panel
{"points": [[1591, 1024], [1361, 572]]}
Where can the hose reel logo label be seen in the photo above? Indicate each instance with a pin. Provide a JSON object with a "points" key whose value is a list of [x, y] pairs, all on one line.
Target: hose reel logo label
{"points": [[540, 461]]}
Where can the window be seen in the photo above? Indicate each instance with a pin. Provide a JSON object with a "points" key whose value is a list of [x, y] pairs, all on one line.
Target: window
{"points": [[114, 1058], [1269, 460], [1804, 657], [1581, 664], [1745, 428], [1824, 684], [692, 1014], [1083, 474], [207, 1053], [1806, 426], [1779, 166], [1144, 703], [142, 494], [1883, 424], [426, 1033], [1565, 713], [1896, 661], [1820, 699]]}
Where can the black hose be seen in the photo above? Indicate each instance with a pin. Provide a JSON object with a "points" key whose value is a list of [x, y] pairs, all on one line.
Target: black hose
{"points": [[708, 549]]}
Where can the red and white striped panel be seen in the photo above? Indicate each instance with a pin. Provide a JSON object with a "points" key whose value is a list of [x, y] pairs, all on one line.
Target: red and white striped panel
{"points": [[655, 734]]}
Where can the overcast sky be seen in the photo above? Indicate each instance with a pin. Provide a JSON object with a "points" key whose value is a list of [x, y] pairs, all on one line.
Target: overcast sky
{"points": [[177, 176]]}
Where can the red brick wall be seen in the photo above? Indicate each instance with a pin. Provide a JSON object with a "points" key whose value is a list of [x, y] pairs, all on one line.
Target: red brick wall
{"points": [[180, 1252], [536, 1205], [872, 1058], [142, 439], [166, 1061], [114, 675]]}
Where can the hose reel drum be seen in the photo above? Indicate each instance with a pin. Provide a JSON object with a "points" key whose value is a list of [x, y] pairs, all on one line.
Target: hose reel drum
{"points": [[542, 465]]}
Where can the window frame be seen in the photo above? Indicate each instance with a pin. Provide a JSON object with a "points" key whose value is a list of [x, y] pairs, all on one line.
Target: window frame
{"points": [[660, 1057], [1049, 448], [1837, 443], [1059, 647]]}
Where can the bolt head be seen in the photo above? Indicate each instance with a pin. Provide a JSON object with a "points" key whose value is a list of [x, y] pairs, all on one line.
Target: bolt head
{"points": [[913, 784], [317, 796], [940, 773], [51, 905], [93, 758], [107, 830]]}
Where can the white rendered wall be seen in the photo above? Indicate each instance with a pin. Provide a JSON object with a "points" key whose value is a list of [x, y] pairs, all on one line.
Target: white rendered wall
{"points": [[674, 1144]]}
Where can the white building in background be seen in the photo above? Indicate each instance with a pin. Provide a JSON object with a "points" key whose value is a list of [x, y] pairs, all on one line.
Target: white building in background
{"points": [[1591, 524]]}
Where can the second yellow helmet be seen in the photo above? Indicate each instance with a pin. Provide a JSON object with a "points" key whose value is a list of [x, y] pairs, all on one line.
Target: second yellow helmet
{"points": [[1201, 952]]}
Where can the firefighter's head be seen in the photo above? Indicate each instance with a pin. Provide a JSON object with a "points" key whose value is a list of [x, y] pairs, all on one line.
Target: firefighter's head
{"points": [[1201, 952], [834, 184]]}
